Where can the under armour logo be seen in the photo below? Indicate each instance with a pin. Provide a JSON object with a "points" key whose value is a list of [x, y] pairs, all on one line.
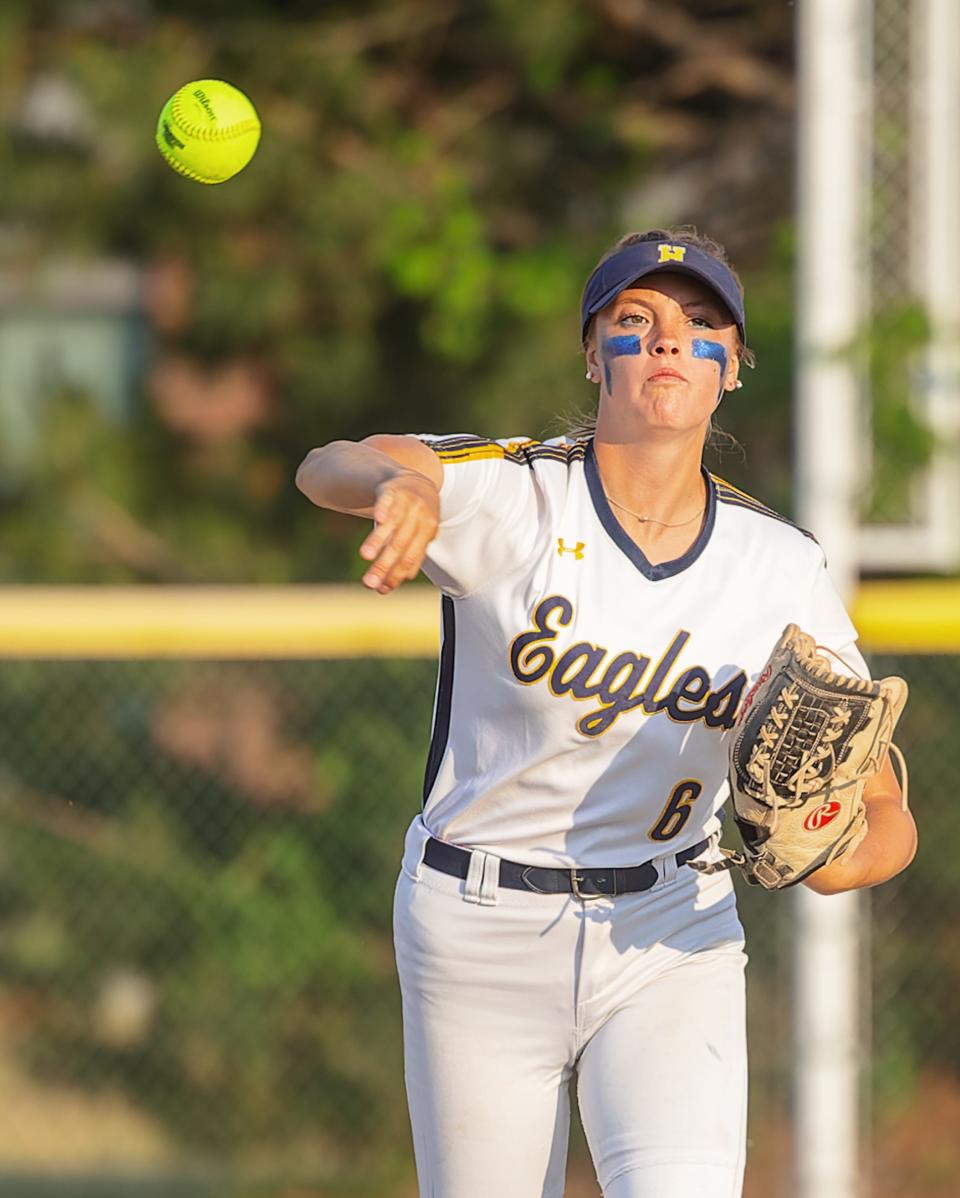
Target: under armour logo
{"points": [[672, 253], [576, 550]]}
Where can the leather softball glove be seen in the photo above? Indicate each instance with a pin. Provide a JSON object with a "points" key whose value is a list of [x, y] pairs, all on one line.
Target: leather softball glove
{"points": [[805, 743]]}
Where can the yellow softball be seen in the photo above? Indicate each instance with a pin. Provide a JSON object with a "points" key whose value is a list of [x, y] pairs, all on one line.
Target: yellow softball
{"points": [[208, 130]]}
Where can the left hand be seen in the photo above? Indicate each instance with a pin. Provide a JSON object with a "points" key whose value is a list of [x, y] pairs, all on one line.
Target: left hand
{"points": [[888, 847]]}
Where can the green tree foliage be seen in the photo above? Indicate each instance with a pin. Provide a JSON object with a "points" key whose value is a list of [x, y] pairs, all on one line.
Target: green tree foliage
{"points": [[434, 182]]}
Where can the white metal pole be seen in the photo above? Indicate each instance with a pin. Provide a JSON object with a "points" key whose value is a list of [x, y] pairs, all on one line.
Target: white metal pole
{"points": [[832, 119]]}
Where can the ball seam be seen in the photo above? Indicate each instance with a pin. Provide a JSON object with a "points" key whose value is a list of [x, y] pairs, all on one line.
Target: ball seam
{"points": [[201, 133], [184, 170]]}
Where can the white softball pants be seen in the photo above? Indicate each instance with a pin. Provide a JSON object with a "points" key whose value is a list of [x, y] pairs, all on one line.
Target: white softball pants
{"points": [[507, 994]]}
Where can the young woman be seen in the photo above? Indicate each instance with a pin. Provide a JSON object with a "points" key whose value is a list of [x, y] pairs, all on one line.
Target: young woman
{"points": [[606, 603]]}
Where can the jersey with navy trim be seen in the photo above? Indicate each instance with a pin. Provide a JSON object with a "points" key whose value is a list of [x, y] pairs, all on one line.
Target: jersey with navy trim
{"points": [[585, 696]]}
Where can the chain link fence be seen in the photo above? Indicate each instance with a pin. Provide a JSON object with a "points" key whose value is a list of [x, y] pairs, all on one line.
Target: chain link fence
{"points": [[197, 990], [896, 330], [893, 60], [909, 336]]}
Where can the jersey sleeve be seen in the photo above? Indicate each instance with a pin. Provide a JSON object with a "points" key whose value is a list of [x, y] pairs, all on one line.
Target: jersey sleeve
{"points": [[490, 512], [827, 621]]}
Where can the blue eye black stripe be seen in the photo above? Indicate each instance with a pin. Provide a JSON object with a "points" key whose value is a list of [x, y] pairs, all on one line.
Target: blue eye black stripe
{"points": [[714, 350], [629, 343]]}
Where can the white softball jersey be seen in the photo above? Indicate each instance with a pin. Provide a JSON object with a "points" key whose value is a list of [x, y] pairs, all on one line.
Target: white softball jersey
{"points": [[586, 696]]}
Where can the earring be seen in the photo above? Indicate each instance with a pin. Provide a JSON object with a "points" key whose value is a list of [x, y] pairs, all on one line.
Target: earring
{"points": [[738, 384], [589, 377]]}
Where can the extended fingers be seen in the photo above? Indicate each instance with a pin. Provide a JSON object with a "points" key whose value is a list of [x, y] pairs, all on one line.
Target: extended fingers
{"points": [[405, 523], [377, 576], [386, 518], [410, 553], [401, 555]]}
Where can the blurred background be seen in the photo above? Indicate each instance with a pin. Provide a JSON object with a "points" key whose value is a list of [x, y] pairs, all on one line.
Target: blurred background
{"points": [[208, 758]]}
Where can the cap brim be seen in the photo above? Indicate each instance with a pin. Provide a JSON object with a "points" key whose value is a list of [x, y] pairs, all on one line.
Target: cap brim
{"points": [[677, 268], [637, 260]]}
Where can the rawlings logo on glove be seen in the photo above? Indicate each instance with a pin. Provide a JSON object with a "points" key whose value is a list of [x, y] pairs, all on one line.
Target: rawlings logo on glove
{"points": [[805, 743]]}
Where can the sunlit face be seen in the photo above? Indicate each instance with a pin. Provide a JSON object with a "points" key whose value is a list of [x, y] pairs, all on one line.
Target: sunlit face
{"points": [[664, 352]]}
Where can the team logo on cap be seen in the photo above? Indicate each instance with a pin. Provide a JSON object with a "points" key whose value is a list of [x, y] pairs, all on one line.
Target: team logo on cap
{"points": [[672, 253]]}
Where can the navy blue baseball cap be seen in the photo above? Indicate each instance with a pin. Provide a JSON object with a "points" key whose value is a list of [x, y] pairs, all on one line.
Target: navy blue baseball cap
{"points": [[641, 258]]}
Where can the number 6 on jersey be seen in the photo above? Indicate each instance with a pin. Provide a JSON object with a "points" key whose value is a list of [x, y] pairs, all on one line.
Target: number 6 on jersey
{"points": [[678, 809]]}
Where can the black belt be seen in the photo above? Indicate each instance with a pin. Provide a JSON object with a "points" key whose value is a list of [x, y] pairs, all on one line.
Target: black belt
{"points": [[584, 883]]}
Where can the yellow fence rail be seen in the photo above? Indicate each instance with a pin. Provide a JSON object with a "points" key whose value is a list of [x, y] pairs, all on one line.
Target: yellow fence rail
{"points": [[337, 621], [344, 621]]}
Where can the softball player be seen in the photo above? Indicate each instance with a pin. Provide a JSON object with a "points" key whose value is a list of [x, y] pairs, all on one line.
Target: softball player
{"points": [[606, 602]]}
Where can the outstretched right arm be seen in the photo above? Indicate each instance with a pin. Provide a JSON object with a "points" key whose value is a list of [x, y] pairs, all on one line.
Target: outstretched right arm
{"points": [[393, 480]]}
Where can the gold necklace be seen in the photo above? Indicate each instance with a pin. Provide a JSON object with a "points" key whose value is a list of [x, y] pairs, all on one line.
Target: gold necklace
{"points": [[651, 519]]}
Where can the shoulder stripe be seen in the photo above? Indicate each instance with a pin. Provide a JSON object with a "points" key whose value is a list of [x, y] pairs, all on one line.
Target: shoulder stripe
{"points": [[466, 441], [561, 453], [545, 453], [452, 450], [735, 492], [470, 455], [722, 482], [471, 449], [745, 501], [729, 494]]}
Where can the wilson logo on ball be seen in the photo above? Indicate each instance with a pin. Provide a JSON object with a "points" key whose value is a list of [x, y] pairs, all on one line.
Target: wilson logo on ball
{"points": [[821, 816]]}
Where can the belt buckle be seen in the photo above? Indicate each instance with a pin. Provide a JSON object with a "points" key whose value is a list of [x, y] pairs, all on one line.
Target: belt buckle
{"points": [[576, 878]]}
